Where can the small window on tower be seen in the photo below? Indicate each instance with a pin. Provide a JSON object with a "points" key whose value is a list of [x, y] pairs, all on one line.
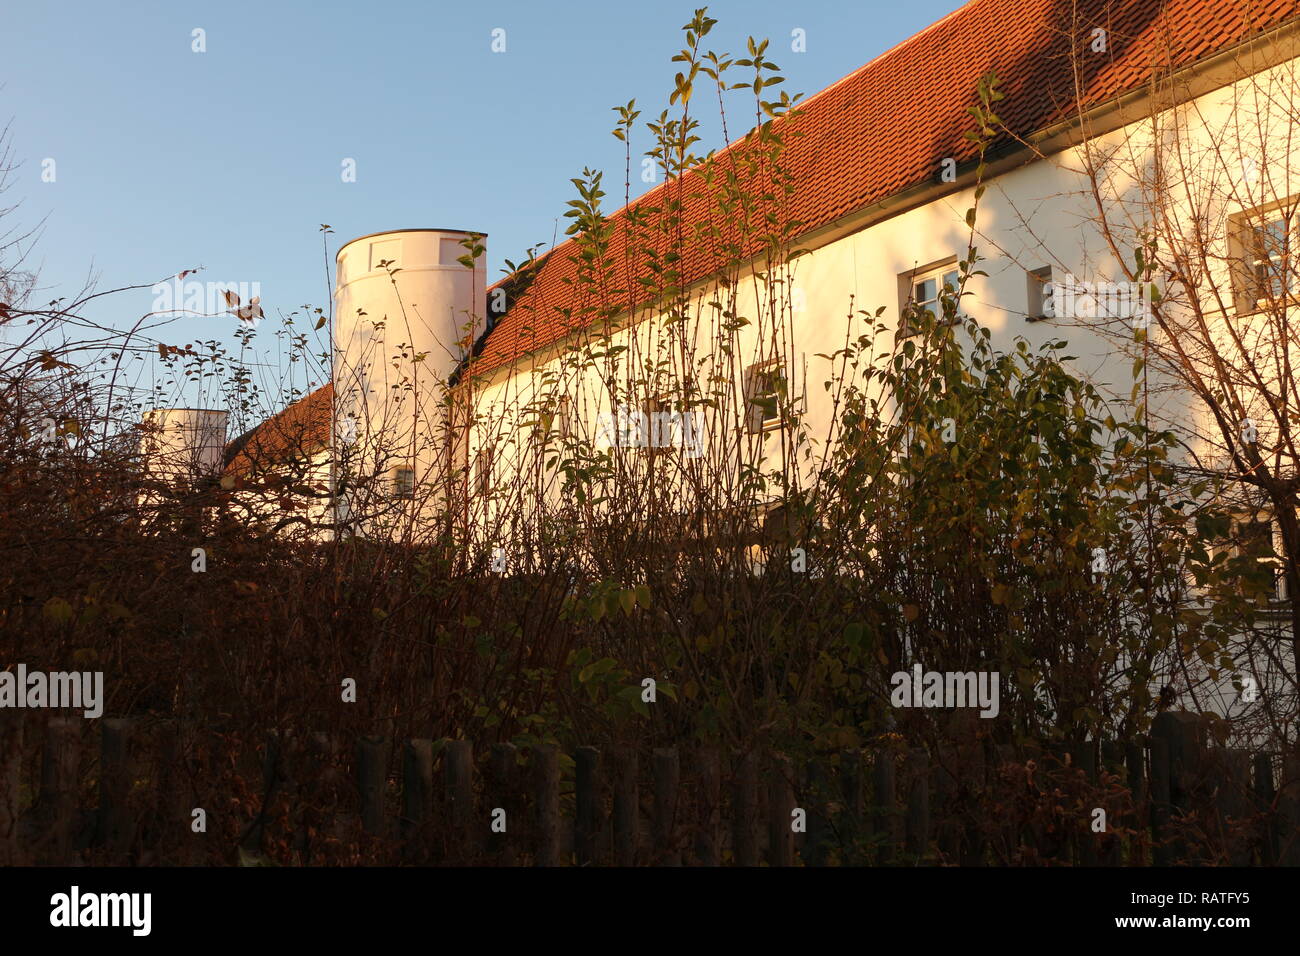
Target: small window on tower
{"points": [[385, 254], [403, 483]]}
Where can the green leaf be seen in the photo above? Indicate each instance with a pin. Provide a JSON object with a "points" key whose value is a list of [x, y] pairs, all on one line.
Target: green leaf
{"points": [[57, 611], [248, 858]]}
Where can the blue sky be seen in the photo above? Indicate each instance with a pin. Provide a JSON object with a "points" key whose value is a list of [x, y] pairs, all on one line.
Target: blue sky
{"points": [[167, 159]]}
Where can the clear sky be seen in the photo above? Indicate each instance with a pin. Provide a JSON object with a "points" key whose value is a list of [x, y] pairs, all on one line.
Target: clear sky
{"points": [[167, 159]]}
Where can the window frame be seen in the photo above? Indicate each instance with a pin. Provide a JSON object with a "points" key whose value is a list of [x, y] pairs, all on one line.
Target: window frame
{"points": [[908, 281], [757, 422], [1250, 286], [653, 406], [398, 487], [484, 466], [1038, 283]]}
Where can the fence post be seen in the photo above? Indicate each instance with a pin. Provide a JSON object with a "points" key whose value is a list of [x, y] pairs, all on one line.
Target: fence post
{"points": [[1112, 758], [1009, 833], [1161, 851], [853, 823], [172, 823], [627, 808], [417, 796], [272, 762], [917, 772], [458, 781], [780, 807], [888, 822], [546, 783], [1135, 761], [666, 779], [745, 811], [1085, 758], [1181, 732], [974, 766], [60, 773], [503, 767], [708, 845], [943, 801], [324, 813], [372, 779], [586, 819], [816, 801], [1231, 774], [1265, 793], [116, 771], [11, 764], [1288, 805]]}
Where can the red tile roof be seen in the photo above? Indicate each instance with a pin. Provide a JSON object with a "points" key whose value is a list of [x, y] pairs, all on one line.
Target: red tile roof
{"points": [[889, 125], [295, 432], [882, 129]]}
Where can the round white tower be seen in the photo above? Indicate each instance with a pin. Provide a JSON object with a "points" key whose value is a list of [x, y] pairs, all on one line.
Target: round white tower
{"points": [[184, 444], [407, 311]]}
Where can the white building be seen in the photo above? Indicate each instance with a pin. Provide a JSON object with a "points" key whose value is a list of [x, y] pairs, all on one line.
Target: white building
{"points": [[443, 388]]}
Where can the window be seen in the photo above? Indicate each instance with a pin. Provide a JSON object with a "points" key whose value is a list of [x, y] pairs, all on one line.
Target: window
{"points": [[763, 387], [1040, 295], [402, 483], [557, 420], [385, 254], [924, 292], [1253, 537], [1256, 538], [564, 416], [658, 430], [1264, 253], [483, 469]]}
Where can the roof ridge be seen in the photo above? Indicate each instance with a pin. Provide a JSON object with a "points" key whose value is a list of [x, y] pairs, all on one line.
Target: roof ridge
{"points": [[631, 203]]}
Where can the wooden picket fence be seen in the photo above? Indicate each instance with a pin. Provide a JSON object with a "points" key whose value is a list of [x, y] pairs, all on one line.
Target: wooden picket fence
{"points": [[307, 799]]}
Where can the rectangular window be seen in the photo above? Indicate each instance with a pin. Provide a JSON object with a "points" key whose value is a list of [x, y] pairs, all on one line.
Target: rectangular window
{"points": [[403, 483], [1264, 251], [764, 383], [1253, 537], [483, 465], [385, 254], [657, 434], [564, 416], [556, 421], [1039, 305], [932, 293]]}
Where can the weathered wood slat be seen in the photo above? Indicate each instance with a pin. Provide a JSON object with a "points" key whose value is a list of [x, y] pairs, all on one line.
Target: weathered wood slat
{"points": [[627, 809], [744, 805], [502, 804], [546, 803], [587, 810]]}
